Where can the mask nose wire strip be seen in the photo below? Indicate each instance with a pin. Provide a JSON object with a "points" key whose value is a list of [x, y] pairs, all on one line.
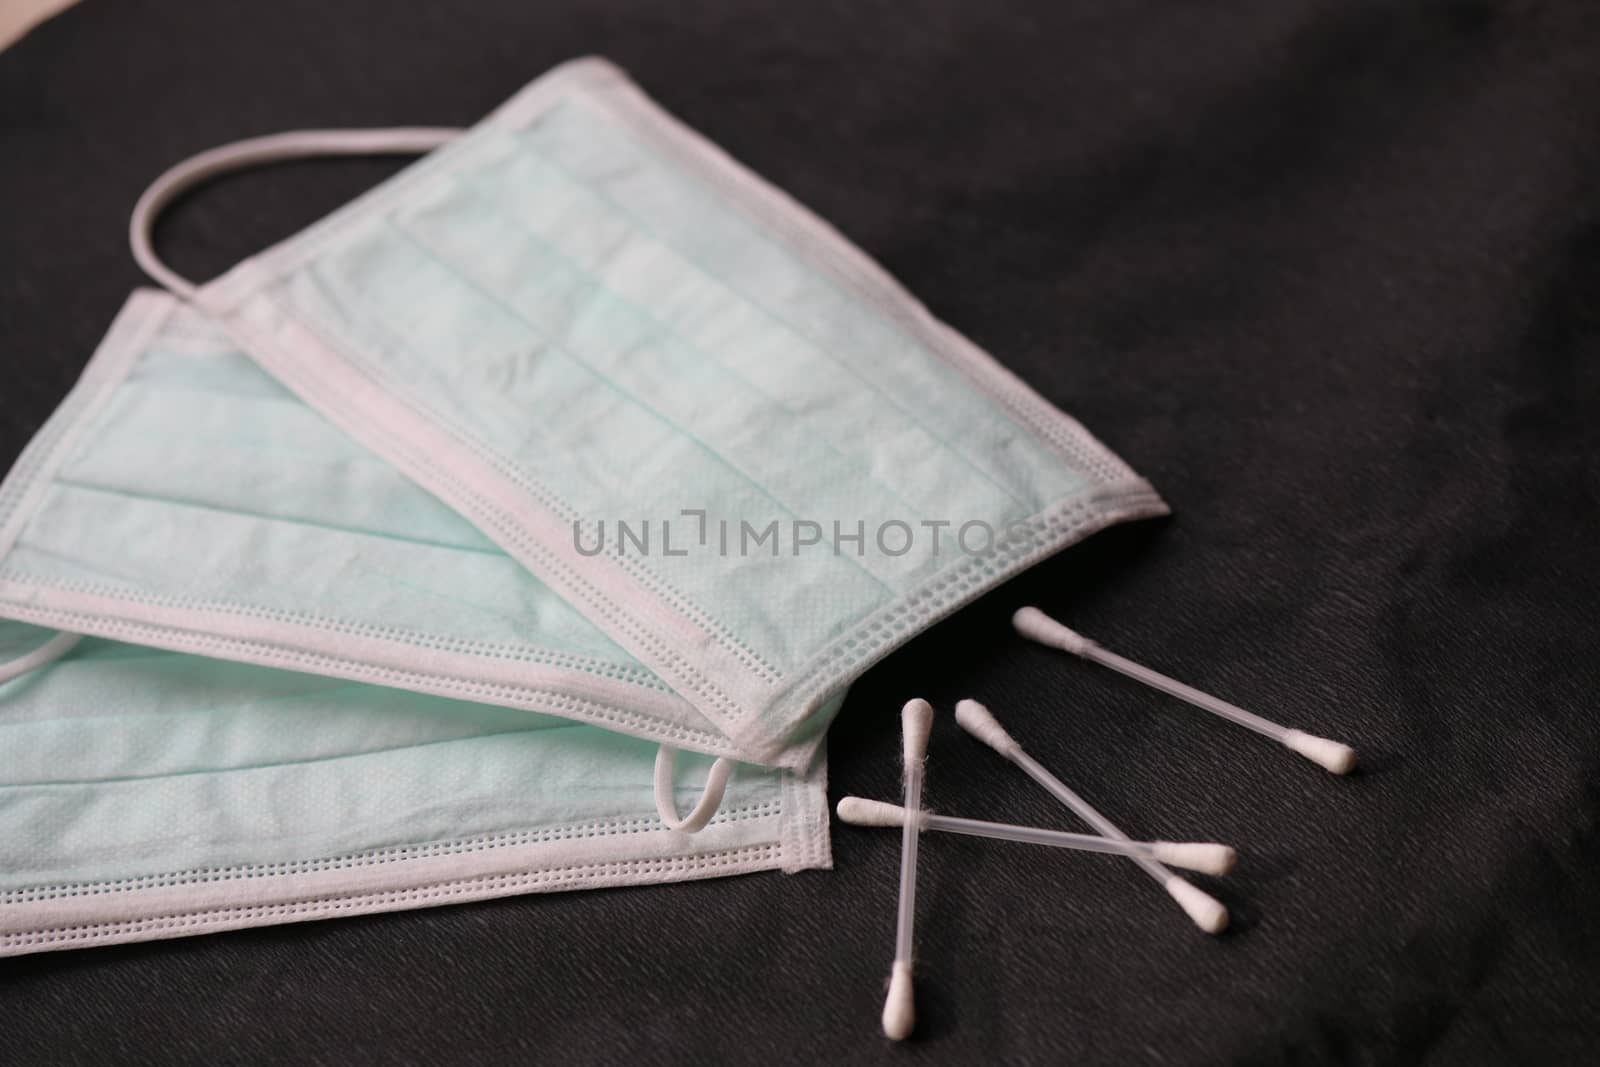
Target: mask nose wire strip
{"points": [[49, 652], [710, 797], [254, 152]]}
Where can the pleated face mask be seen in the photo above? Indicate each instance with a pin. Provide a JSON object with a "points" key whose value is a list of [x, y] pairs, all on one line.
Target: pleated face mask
{"points": [[688, 407], [181, 498], [148, 794]]}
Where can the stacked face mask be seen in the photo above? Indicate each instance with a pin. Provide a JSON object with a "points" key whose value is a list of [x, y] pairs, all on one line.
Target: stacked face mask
{"points": [[148, 794], [181, 497], [574, 316]]}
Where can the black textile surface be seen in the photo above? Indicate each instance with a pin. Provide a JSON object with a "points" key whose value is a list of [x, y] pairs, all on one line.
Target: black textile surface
{"points": [[1327, 273]]}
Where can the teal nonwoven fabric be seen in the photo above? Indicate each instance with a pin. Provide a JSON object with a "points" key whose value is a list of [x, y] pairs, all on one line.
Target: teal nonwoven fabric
{"points": [[581, 312], [150, 793], [181, 497]]}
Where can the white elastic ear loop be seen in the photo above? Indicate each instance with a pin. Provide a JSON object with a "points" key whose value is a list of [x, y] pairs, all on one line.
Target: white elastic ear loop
{"points": [[710, 797], [49, 652], [297, 144]]}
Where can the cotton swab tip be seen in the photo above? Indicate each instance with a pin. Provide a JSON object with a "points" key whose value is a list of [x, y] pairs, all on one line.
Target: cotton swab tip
{"points": [[1205, 910], [1199, 856], [916, 723], [859, 811], [1336, 757], [899, 1010], [1035, 625], [980, 722]]}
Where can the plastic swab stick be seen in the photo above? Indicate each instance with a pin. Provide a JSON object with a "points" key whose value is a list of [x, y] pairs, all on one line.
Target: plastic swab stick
{"points": [[1192, 855], [1037, 626], [1206, 911], [899, 1009]]}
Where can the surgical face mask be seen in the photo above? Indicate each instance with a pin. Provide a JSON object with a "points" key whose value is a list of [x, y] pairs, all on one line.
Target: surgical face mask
{"points": [[148, 794], [180, 497], [579, 312]]}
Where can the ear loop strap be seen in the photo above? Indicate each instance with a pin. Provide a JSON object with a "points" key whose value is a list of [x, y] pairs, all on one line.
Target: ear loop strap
{"points": [[47, 653], [299, 144], [710, 797]]}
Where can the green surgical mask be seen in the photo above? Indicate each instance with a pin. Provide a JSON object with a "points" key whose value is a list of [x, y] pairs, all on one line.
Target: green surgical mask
{"points": [[580, 312], [148, 794], [181, 497]]}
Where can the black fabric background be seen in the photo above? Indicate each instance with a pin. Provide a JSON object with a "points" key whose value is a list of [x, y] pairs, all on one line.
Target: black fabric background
{"points": [[1326, 273]]}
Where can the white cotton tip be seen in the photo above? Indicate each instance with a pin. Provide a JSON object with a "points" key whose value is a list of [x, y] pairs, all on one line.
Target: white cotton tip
{"points": [[1336, 757], [916, 723], [1199, 856], [1204, 909], [1035, 625], [980, 722], [859, 811], [899, 1010]]}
